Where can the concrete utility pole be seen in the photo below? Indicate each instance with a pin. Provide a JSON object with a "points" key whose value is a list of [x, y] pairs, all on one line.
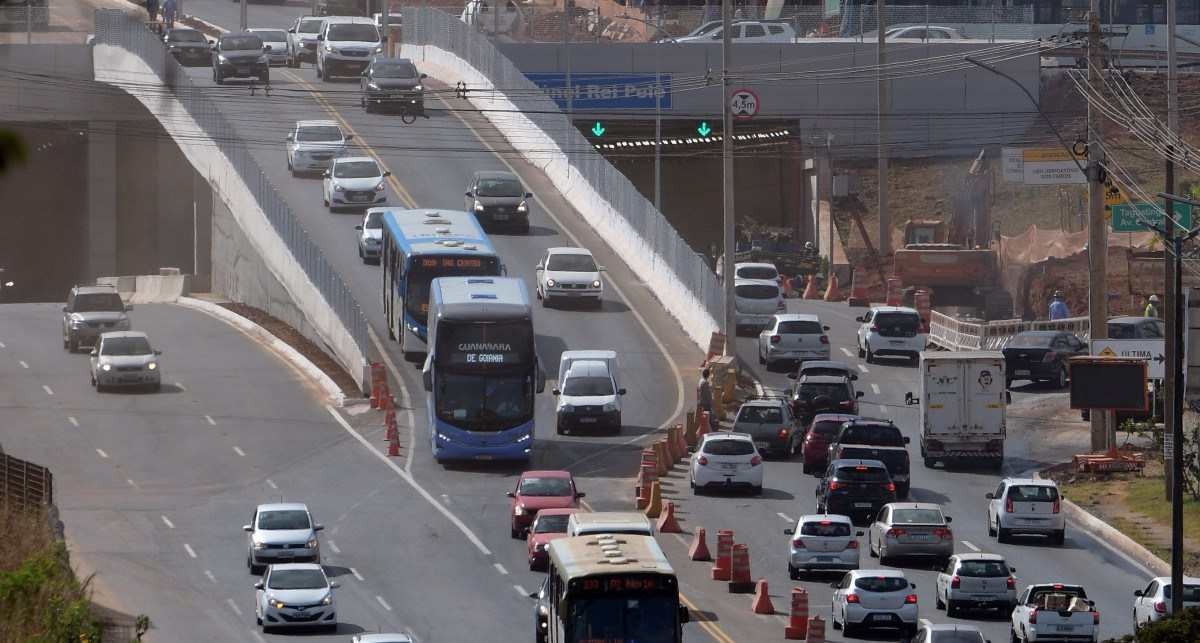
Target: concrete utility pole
{"points": [[885, 219], [386, 36], [568, 9], [727, 175], [658, 92], [1102, 435], [243, 15], [1175, 317]]}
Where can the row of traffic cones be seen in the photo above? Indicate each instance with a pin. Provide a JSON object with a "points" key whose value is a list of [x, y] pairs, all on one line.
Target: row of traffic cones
{"points": [[382, 399]]}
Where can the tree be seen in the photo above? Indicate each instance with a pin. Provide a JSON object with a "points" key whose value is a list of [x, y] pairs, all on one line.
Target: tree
{"points": [[1173, 629]]}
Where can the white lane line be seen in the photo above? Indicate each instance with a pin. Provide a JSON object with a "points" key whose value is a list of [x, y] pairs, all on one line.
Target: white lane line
{"points": [[383, 602], [862, 368], [208, 418], [874, 388], [333, 546], [357, 575], [133, 484], [970, 545], [179, 386], [47, 389], [847, 351], [784, 516], [500, 568], [271, 484], [167, 522], [210, 576], [238, 450], [758, 389], [2, 345], [233, 606], [885, 409], [258, 637], [521, 590], [191, 552], [101, 453], [73, 421], [23, 364], [405, 476]]}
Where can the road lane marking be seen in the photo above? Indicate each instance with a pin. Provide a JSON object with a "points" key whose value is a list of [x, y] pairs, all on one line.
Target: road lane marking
{"points": [[847, 351], [210, 576], [47, 389], [406, 477], [383, 602], [179, 385], [969, 545], [862, 368], [521, 590], [73, 421], [333, 546], [167, 522], [101, 453], [238, 450], [784, 516], [233, 606], [2, 345], [23, 364], [713, 630], [500, 568], [133, 484], [191, 552], [758, 389], [208, 418], [357, 575], [874, 388], [271, 483]]}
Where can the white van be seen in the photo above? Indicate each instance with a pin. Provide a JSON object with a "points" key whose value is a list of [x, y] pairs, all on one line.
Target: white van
{"points": [[755, 302], [609, 522], [588, 392]]}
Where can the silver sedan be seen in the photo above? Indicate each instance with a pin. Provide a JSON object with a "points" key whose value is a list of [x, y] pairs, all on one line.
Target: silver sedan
{"points": [[124, 358], [917, 529]]}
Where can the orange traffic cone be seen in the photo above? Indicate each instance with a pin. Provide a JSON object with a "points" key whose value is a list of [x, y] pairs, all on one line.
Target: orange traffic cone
{"points": [[667, 523], [654, 507], [739, 571], [831, 292], [699, 548], [797, 627], [762, 599], [858, 291], [393, 448], [810, 289], [816, 630], [720, 568]]}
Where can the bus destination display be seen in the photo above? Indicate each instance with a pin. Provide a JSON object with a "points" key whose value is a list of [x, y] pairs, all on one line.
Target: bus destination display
{"points": [[623, 584], [451, 262]]}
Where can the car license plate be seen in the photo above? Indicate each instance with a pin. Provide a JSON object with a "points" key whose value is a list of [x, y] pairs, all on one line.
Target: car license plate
{"points": [[359, 197], [881, 617], [500, 217], [981, 597], [285, 554], [862, 505], [587, 420], [761, 445], [1021, 372], [825, 559], [483, 457], [1065, 628], [895, 342], [729, 467]]}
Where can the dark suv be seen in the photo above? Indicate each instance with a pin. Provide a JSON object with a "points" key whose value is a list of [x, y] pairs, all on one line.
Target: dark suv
{"points": [[855, 488], [813, 394], [498, 198], [874, 439], [90, 311], [240, 55], [393, 83]]}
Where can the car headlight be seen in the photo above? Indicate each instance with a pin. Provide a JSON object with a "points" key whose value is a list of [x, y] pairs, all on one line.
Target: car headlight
{"points": [[337, 188], [330, 48], [328, 600], [522, 207], [596, 284], [152, 365], [418, 88], [378, 49], [539, 547], [76, 323], [609, 407], [379, 188], [312, 543], [263, 58], [106, 367], [222, 59], [550, 283], [373, 86], [478, 206], [260, 546], [567, 408], [277, 604], [518, 510]]}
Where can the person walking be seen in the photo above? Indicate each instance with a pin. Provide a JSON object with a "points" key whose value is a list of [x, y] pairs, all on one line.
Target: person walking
{"points": [[704, 399], [1058, 307], [152, 9], [1152, 307], [168, 13]]}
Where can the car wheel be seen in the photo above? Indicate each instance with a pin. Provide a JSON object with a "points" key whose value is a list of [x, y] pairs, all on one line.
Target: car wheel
{"points": [[514, 532], [761, 359], [883, 557], [929, 463], [218, 78], [793, 572], [870, 356], [1002, 534], [1060, 536], [871, 547], [836, 624], [757, 491], [848, 629], [264, 79], [805, 469], [902, 490], [910, 631], [937, 602], [1012, 637], [317, 66], [991, 528], [1060, 382], [861, 353], [951, 609]]}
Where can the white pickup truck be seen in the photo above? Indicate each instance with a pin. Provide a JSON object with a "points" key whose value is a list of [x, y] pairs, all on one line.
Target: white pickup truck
{"points": [[1055, 612], [588, 394]]}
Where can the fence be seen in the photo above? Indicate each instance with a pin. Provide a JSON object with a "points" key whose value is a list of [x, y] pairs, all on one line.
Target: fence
{"points": [[23, 484], [958, 335], [117, 29], [447, 32]]}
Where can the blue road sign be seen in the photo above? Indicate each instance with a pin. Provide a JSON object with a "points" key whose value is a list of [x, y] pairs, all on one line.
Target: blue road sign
{"points": [[604, 91]]}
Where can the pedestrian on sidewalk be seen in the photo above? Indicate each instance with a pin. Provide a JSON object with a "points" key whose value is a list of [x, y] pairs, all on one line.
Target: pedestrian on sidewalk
{"points": [[168, 13], [1058, 307], [1152, 307], [704, 399], [152, 9]]}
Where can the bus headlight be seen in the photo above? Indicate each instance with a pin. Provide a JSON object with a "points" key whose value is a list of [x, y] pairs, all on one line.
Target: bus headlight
{"points": [[596, 284], [106, 367], [525, 437], [550, 283], [442, 437]]}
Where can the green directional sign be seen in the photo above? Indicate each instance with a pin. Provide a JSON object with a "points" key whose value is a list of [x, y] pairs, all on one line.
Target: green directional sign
{"points": [[704, 129], [598, 129], [1139, 217]]}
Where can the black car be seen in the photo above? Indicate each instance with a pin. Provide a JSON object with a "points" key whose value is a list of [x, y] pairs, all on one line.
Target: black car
{"points": [[498, 198], [813, 394], [188, 46], [392, 83], [873, 439], [855, 488], [240, 56], [1041, 356]]}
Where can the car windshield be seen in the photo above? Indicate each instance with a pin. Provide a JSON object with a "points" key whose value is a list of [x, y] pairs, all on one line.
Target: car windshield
{"points": [[272, 35], [241, 43], [374, 221], [319, 134], [881, 584], [297, 579], [283, 519], [1032, 340], [800, 328], [728, 447], [310, 26], [185, 35], [835, 393], [883, 435], [571, 263], [983, 568], [634, 618], [394, 70], [545, 487], [757, 272], [1191, 593], [862, 474], [1032, 493], [939, 636], [355, 170], [897, 324], [757, 291], [102, 302], [825, 528], [556, 524], [583, 386], [917, 517], [352, 33], [834, 371], [760, 415], [500, 187], [118, 346]]}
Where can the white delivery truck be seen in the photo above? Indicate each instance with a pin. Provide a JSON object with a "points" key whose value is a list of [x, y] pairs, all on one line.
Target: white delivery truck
{"points": [[589, 396], [963, 401]]}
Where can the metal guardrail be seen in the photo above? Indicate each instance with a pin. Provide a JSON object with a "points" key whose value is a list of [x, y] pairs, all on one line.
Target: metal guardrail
{"points": [[959, 335], [24, 484], [115, 28]]}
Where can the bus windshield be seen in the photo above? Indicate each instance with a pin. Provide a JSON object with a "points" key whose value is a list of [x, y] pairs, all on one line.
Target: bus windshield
{"points": [[624, 619], [484, 372], [425, 268]]}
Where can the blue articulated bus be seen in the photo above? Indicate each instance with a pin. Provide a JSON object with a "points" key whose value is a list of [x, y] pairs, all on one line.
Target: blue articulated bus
{"points": [[419, 246], [482, 372]]}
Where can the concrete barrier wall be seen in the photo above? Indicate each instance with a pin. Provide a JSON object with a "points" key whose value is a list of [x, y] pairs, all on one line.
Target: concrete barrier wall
{"points": [[258, 267], [541, 150]]}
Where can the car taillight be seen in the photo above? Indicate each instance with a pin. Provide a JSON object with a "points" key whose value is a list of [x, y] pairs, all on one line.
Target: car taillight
{"points": [[782, 434], [1160, 607], [847, 404], [955, 582], [824, 339], [1033, 616], [1011, 582], [890, 486], [943, 533], [896, 532], [1056, 507], [1095, 617], [834, 485], [755, 461], [1008, 506], [775, 339], [798, 544], [703, 461], [853, 544], [851, 598], [1050, 357], [911, 599]]}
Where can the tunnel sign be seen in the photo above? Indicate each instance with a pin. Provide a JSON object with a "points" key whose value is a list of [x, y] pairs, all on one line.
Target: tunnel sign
{"points": [[744, 103]]}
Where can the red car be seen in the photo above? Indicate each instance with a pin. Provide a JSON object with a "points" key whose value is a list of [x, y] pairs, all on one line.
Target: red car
{"points": [[816, 441], [550, 524], [538, 490]]}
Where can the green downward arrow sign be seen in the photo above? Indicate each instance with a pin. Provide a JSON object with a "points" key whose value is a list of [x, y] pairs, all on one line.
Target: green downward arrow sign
{"points": [[704, 129], [598, 129]]}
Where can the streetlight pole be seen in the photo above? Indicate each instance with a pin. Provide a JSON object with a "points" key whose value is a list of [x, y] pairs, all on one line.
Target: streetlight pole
{"points": [[1103, 426], [658, 92], [727, 222], [885, 220]]}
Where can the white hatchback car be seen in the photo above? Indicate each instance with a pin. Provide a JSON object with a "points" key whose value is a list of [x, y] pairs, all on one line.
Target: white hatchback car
{"points": [[726, 460], [312, 146], [793, 338], [755, 302], [565, 274], [822, 542], [1154, 602], [976, 580], [354, 182], [890, 331], [369, 236], [295, 595], [870, 598], [748, 270], [277, 40], [1026, 506]]}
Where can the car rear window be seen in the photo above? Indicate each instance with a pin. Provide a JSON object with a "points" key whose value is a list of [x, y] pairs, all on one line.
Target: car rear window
{"points": [[185, 35], [897, 324], [825, 429], [1032, 493], [1191, 593], [545, 487], [760, 415], [800, 328], [109, 302], [917, 517], [728, 447], [824, 370], [556, 524], [1032, 340], [836, 393], [939, 636], [983, 568], [881, 584], [876, 434], [861, 473], [241, 43], [757, 272], [825, 529], [757, 291], [310, 26], [319, 133]]}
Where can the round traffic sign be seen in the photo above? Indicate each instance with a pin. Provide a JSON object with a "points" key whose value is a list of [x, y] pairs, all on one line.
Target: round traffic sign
{"points": [[744, 103]]}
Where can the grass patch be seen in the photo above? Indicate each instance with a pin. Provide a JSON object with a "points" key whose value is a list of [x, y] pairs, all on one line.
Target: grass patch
{"points": [[1145, 495]]}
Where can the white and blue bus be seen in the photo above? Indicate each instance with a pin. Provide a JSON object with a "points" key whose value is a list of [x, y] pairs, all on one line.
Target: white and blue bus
{"points": [[419, 246], [482, 370]]}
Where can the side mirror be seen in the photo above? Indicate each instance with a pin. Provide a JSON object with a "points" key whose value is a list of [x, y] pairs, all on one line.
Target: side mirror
{"points": [[789, 532], [859, 394], [258, 585], [424, 76], [854, 377], [1012, 569], [387, 172], [911, 399], [348, 138], [537, 267], [580, 494], [94, 353], [334, 585], [684, 616], [533, 595], [318, 527], [266, 47], [907, 440], [247, 527], [468, 193], [1008, 397], [128, 307], [1084, 346], [64, 309], [620, 391], [912, 585], [792, 376], [529, 195], [859, 534], [157, 352], [292, 30], [212, 42], [325, 174], [859, 319], [320, 36], [825, 328], [990, 496], [365, 73], [601, 269], [358, 227], [948, 519], [510, 494], [427, 380], [1137, 592], [555, 392], [291, 137], [834, 586]]}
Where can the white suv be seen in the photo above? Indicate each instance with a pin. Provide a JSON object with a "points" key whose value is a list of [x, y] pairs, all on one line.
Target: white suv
{"points": [[1026, 506], [890, 331], [345, 46]]}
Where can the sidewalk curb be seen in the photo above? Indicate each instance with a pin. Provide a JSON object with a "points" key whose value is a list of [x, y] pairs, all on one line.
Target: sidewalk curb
{"points": [[1112, 537], [333, 393]]}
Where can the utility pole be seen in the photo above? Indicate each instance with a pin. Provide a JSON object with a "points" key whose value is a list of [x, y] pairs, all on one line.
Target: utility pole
{"points": [[386, 36], [658, 92], [566, 29], [727, 176], [829, 196], [1103, 436], [243, 16], [885, 220], [1175, 316]]}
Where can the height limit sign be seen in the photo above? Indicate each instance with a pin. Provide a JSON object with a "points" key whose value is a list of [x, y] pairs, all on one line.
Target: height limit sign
{"points": [[744, 104]]}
